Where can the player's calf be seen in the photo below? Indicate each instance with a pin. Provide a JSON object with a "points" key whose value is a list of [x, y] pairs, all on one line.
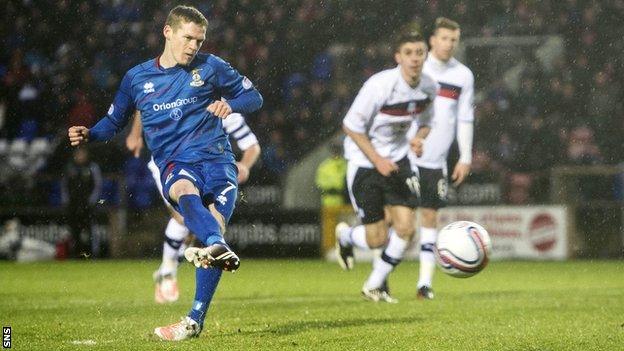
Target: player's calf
{"points": [[376, 234]]}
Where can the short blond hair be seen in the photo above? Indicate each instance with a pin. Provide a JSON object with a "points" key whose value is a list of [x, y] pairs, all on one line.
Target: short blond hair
{"points": [[446, 23], [182, 13]]}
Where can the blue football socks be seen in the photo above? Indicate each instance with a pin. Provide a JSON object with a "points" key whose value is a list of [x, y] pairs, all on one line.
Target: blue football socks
{"points": [[199, 220], [206, 281], [203, 224]]}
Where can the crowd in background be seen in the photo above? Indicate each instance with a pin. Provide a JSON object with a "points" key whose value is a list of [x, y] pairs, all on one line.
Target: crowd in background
{"points": [[61, 62]]}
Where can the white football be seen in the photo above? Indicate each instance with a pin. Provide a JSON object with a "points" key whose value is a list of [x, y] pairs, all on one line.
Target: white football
{"points": [[462, 249]]}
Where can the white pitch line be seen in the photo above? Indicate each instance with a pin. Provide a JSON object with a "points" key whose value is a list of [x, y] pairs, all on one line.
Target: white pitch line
{"points": [[84, 342]]}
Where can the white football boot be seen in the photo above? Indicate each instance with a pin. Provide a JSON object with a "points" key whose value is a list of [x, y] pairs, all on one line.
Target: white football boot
{"points": [[378, 295], [184, 329], [166, 289], [214, 256]]}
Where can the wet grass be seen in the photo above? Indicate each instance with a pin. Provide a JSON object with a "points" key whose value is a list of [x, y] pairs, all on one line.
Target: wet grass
{"points": [[313, 305]]}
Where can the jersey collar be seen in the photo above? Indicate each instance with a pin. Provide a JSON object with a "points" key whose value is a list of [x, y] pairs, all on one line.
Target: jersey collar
{"points": [[439, 63], [162, 69], [403, 82]]}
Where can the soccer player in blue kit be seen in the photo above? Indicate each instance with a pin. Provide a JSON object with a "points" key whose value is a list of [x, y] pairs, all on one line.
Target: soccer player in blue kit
{"points": [[179, 95]]}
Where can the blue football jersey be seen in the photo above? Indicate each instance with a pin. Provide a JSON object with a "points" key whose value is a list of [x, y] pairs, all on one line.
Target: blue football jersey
{"points": [[173, 102]]}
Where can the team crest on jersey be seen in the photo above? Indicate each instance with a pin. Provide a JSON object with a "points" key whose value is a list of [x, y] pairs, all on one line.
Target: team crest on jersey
{"points": [[148, 87], [197, 81], [176, 114], [247, 83]]}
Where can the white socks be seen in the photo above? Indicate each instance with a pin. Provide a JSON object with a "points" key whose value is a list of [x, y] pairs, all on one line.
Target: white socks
{"points": [[390, 257], [428, 238], [174, 241], [354, 236]]}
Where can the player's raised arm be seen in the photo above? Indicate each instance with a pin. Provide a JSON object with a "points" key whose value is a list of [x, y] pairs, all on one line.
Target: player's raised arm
{"points": [[134, 140], [418, 141], [246, 140], [114, 121], [78, 135], [423, 123], [357, 121], [383, 165], [465, 131], [250, 156], [241, 95]]}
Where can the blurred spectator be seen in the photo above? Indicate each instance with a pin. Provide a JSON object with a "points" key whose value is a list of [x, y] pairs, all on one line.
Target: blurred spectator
{"points": [[331, 177], [81, 189], [290, 51], [603, 101], [518, 188], [539, 148], [507, 150], [139, 184], [274, 155], [82, 113], [581, 149]]}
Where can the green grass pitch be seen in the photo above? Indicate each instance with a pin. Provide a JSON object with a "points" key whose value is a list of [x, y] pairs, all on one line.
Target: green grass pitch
{"points": [[313, 305]]}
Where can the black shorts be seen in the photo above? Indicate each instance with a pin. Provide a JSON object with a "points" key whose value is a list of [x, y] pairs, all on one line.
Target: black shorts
{"points": [[433, 188], [370, 191]]}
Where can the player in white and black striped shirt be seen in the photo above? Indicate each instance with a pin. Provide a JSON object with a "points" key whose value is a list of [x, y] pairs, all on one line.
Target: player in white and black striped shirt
{"points": [[378, 171], [453, 119]]}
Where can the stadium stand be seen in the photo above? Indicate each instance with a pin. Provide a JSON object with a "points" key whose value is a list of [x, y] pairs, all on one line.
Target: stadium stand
{"points": [[56, 73]]}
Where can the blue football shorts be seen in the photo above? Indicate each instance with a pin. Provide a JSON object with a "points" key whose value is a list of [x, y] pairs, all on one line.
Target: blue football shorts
{"points": [[216, 183]]}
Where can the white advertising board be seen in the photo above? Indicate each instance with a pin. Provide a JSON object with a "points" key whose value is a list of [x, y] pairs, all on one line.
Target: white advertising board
{"points": [[524, 232], [517, 232]]}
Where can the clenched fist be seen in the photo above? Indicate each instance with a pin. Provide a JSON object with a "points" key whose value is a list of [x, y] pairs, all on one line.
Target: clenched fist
{"points": [[220, 109], [78, 135], [385, 166], [417, 145]]}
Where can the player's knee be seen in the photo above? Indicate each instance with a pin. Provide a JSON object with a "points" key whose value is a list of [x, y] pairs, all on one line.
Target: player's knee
{"points": [[387, 216], [376, 242], [377, 235], [182, 187], [428, 217], [178, 217], [405, 229]]}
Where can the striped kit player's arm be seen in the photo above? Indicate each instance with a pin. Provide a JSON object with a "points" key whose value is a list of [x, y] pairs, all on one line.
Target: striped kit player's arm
{"points": [[465, 131], [246, 141], [423, 122], [134, 140], [367, 104]]}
